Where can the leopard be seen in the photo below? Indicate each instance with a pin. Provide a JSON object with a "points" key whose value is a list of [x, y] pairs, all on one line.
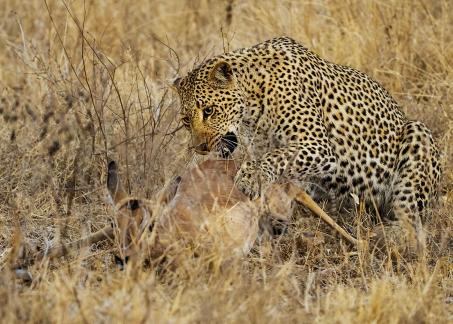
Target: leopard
{"points": [[301, 118]]}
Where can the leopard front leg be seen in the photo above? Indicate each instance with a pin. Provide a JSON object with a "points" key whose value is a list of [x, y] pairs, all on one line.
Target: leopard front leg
{"points": [[291, 163], [249, 179]]}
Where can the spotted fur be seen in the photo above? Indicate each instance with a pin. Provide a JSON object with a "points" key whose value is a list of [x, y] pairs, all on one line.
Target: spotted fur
{"points": [[308, 120]]}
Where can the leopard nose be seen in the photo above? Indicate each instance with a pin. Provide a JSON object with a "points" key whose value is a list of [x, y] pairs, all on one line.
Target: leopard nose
{"points": [[202, 148]]}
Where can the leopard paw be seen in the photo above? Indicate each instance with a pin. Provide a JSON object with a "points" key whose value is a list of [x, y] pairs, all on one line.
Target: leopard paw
{"points": [[250, 179]]}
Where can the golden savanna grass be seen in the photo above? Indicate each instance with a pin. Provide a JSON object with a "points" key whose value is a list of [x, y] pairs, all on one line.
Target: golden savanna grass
{"points": [[81, 81]]}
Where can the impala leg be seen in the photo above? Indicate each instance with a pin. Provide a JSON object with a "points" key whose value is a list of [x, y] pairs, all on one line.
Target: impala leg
{"points": [[302, 197], [61, 250]]}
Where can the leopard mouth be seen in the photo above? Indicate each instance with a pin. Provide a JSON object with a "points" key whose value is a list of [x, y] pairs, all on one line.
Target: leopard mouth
{"points": [[228, 144]]}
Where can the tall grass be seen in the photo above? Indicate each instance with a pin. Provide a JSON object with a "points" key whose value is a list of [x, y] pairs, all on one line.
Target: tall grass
{"points": [[85, 80]]}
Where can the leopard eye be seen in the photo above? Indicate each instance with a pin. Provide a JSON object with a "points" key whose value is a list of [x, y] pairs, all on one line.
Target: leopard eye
{"points": [[208, 111], [186, 121]]}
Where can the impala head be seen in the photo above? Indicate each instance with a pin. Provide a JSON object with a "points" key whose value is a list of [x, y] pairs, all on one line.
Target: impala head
{"points": [[132, 217], [212, 106]]}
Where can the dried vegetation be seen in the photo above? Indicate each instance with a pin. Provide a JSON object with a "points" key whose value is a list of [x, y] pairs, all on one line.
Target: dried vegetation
{"points": [[81, 81]]}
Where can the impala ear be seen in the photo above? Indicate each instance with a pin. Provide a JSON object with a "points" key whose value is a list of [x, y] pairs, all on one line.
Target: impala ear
{"points": [[170, 191], [114, 187], [221, 75]]}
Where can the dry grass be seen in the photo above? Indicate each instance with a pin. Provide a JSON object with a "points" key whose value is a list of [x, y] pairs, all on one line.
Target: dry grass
{"points": [[80, 81]]}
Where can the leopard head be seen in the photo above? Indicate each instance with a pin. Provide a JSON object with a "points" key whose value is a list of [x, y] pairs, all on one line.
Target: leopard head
{"points": [[212, 106]]}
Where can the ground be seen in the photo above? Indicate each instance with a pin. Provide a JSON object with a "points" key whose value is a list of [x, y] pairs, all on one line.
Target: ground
{"points": [[81, 81]]}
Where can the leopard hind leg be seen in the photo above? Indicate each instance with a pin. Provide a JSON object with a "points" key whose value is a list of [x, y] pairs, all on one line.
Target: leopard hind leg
{"points": [[415, 183]]}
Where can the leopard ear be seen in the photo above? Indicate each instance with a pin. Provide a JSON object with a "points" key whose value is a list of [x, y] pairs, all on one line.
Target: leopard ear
{"points": [[221, 75]]}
